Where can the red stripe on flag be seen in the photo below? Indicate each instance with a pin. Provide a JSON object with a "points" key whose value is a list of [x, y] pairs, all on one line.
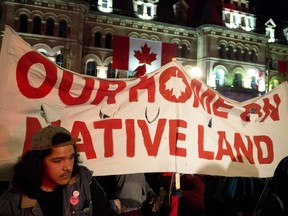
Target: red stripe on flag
{"points": [[283, 66], [120, 52], [168, 52]]}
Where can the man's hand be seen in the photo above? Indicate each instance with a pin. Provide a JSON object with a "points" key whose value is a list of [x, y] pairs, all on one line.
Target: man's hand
{"points": [[156, 203], [118, 205]]}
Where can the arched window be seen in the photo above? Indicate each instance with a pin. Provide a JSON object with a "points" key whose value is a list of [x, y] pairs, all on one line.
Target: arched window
{"points": [[62, 29], [184, 51], [97, 39], [237, 81], [246, 56], [254, 58], [253, 83], [274, 63], [36, 25], [59, 59], [238, 54], [274, 83], [42, 51], [50, 27], [222, 51], [91, 68], [110, 72], [269, 63], [178, 50], [230, 53], [23, 25], [220, 78], [108, 41]]}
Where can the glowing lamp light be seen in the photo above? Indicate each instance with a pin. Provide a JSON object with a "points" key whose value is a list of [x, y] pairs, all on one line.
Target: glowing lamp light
{"points": [[195, 71], [102, 72]]}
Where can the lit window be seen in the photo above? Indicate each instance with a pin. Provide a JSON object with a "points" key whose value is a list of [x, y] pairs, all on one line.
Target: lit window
{"points": [[220, 78], [140, 9], [59, 59], [145, 10], [42, 51], [91, 68], [105, 6], [104, 3], [110, 72], [149, 11]]}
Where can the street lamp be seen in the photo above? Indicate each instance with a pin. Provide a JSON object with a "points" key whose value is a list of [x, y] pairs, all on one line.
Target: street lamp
{"points": [[194, 71]]}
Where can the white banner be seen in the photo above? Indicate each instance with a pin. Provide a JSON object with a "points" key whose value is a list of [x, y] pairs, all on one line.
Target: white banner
{"points": [[164, 121]]}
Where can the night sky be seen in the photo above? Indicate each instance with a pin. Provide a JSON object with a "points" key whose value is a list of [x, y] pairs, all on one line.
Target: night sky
{"points": [[276, 9], [264, 8]]}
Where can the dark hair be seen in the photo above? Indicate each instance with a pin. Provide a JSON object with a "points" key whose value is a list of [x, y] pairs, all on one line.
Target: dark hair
{"points": [[28, 171], [280, 178]]}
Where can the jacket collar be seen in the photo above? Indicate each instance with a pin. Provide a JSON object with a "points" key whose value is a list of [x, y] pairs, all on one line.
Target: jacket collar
{"points": [[28, 202]]}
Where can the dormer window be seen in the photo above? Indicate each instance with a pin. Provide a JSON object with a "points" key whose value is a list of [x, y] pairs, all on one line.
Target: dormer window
{"points": [[149, 11], [145, 9], [235, 5], [270, 30], [105, 6], [104, 3], [140, 9], [180, 11], [236, 15], [285, 31]]}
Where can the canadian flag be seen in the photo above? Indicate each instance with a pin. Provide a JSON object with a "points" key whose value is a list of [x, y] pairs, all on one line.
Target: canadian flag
{"points": [[134, 54]]}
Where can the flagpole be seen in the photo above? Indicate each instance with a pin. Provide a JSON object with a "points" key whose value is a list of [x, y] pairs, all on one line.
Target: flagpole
{"points": [[268, 61]]}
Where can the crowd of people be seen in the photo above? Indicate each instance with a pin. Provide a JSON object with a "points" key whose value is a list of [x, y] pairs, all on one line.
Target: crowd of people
{"points": [[49, 180]]}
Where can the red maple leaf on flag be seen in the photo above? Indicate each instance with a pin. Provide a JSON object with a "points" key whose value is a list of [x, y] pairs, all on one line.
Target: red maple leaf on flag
{"points": [[144, 56]]}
